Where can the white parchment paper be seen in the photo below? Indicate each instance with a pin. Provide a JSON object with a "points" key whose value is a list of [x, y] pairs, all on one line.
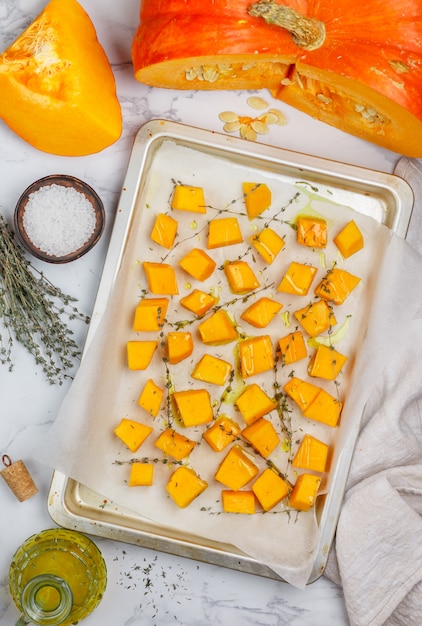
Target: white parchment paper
{"points": [[81, 443]]}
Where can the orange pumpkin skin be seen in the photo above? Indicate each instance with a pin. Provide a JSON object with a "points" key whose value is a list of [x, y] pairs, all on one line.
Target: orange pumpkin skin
{"points": [[57, 88], [365, 78]]}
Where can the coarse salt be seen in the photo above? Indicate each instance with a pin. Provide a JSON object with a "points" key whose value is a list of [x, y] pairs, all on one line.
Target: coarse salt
{"points": [[58, 220]]}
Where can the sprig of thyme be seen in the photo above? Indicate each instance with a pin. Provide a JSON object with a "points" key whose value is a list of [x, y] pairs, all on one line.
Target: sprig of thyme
{"points": [[31, 309]]}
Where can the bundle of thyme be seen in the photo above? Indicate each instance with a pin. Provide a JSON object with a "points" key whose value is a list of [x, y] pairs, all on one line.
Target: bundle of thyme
{"points": [[31, 309]]}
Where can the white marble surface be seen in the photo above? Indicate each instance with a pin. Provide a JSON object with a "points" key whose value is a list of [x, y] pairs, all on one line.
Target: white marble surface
{"points": [[144, 587]]}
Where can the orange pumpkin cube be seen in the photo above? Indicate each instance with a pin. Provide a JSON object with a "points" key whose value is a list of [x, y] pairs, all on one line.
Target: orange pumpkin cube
{"points": [[238, 501], [198, 302], [187, 198], [311, 455], [268, 243], [254, 403], [301, 392], [150, 314], [211, 369], [194, 406], [292, 348], [184, 486], [261, 313], [174, 444], [140, 353], [336, 286], [132, 433], [164, 230], [349, 240], [256, 356], [218, 329], [198, 264], [312, 232], [151, 397], [257, 198], [298, 279], [326, 363], [240, 277], [270, 489], [316, 317], [224, 231], [304, 492], [236, 469], [141, 474], [262, 436], [179, 346], [161, 278], [324, 408], [221, 433]]}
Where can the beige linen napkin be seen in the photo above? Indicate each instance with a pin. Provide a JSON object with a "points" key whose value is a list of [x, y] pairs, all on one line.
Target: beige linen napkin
{"points": [[377, 553]]}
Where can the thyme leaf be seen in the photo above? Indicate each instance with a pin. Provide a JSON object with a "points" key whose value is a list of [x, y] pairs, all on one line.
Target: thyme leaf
{"points": [[32, 311]]}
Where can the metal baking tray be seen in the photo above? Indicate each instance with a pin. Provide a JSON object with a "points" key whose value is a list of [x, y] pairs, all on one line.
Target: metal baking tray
{"points": [[385, 197]]}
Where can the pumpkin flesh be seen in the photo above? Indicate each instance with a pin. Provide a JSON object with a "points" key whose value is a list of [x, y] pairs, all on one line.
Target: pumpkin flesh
{"points": [[52, 79], [365, 78]]}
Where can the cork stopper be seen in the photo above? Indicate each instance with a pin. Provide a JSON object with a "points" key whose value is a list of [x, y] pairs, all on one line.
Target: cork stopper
{"points": [[18, 478]]}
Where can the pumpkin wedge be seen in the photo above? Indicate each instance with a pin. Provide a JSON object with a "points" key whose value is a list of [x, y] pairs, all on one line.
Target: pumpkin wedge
{"points": [[57, 88], [357, 67]]}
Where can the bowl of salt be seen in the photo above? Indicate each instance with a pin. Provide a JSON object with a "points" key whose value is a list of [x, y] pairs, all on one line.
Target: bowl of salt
{"points": [[59, 218]]}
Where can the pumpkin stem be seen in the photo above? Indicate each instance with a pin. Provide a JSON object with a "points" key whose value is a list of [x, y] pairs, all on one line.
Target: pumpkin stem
{"points": [[307, 32]]}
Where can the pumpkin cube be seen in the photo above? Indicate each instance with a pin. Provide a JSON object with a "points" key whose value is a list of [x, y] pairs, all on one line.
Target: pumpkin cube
{"points": [[256, 355], [304, 492], [174, 444], [316, 317], [150, 314], [324, 408], [179, 346], [151, 398], [311, 455], [312, 232], [349, 240], [254, 403], [298, 279], [140, 353], [261, 313], [132, 433], [198, 302], [185, 485], [326, 363], [262, 436], [221, 433], [292, 348], [301, 392], [217, 329], [238, 501], [270, 488], [161, 278], [268, 243], [187, 198], [141, 474], [257, 198], [336, 286], [224, 232], [164, 230], [194, 406], [211, 369], [236, 469], [240, 276], [198, 264]]}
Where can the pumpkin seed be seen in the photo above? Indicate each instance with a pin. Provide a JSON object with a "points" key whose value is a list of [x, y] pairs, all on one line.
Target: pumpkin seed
{"points": [[248, 133], [228, 116], [281, 118], [191, 73], [324, 99], [259, 127], [232, 127], [257, 103]]}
